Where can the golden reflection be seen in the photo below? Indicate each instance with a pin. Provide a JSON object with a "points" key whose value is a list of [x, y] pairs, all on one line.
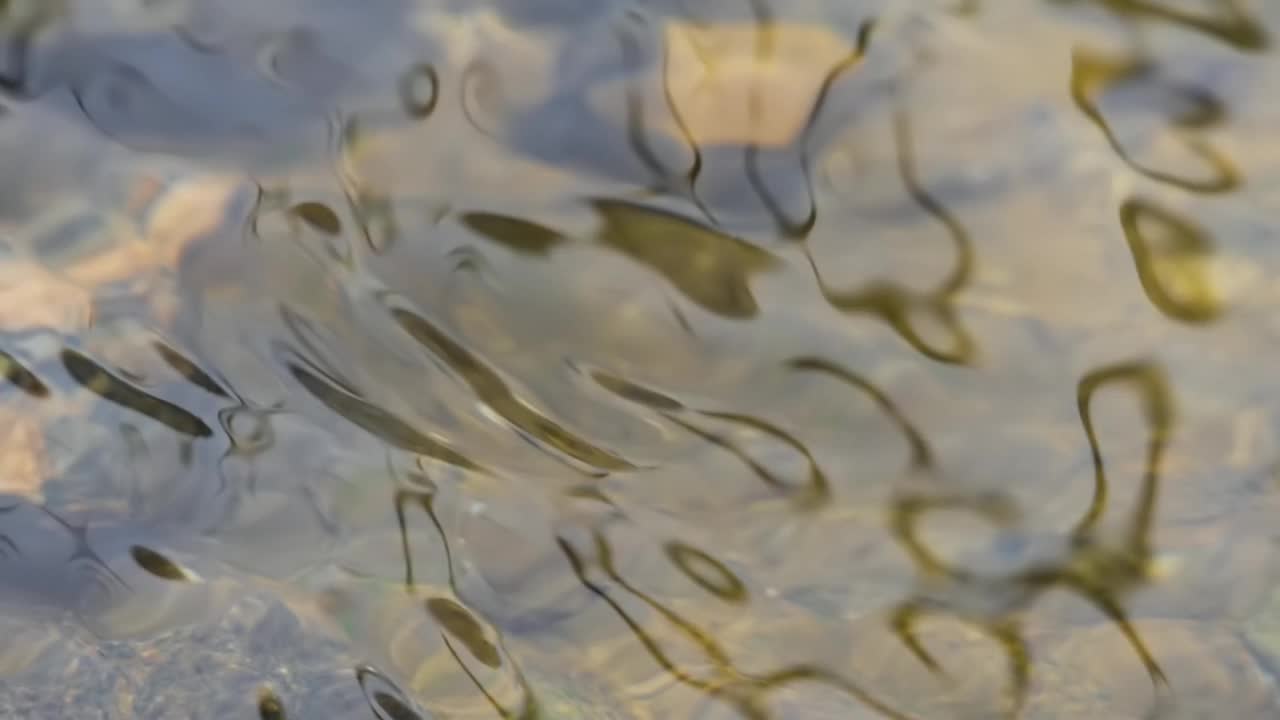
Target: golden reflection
{"points": [[896, 304], [1101, 569], [746, 692], [1093, 75]]}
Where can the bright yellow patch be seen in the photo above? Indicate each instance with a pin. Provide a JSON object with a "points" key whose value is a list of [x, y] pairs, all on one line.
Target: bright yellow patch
{"points": [[745, 83]]}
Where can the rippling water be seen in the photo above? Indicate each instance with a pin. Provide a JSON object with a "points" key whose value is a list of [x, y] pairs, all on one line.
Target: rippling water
{"points": [[649, 359]]}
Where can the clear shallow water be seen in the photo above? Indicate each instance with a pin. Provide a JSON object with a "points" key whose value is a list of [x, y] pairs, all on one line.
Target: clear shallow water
{"points": [[560, 359]]}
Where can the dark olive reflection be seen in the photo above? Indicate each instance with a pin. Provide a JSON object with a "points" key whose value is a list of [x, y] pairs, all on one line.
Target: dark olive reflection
{"points": [[424, 499], [899, 306], [269, 706], [706, 572], [1094, 75], [814, 493], [1181, 253], [8, 547], [457, 620], [921, 456], [489, 386], [21, 378], [465, 628], [419, 91], [1223, 20], [515, 234], [189, 370], [157, 564], [93, 376], [371, 207], [372, 418], [663, 180], [318, 216], [23, 23], [746, 692], [1099, 568], [709, 267], [638, 394], [100, 572], [797, 228], [385, 698]]}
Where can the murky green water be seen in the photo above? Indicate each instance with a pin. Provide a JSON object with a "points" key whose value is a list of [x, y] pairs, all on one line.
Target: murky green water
{"points": [[653, 359]]}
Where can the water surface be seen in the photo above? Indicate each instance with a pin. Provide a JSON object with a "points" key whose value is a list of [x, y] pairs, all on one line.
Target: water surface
{"points": [[647, 359]]}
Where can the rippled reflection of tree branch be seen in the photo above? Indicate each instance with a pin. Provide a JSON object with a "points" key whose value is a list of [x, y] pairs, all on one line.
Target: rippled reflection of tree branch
{"points": [[921, 455], [635, 125], [815, 493], [1233, 26], [371, 207], [793, 229], [83, 550], [94, 377], [1093, 74], [14, 550], [489, 386], [1188, 245], [390, 703], [22, 378], [23, 35], [1100, 569], [892, 302], [373, 419], [423, 494], [417, 107], [747, 692], [424, 498]]}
